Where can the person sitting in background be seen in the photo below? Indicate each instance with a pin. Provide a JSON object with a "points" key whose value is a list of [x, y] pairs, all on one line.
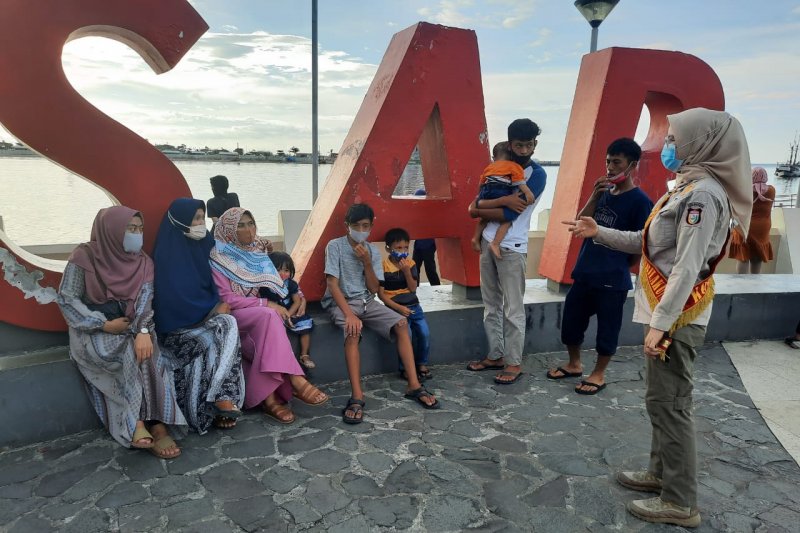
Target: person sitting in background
{"points": [[195, 328], [425, 254], [241, 268], [223, 200], [752, 252], [106, 298]]}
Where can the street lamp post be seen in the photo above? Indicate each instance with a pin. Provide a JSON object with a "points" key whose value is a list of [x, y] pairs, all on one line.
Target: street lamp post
{"points": [[314, 104], [595, 12]]}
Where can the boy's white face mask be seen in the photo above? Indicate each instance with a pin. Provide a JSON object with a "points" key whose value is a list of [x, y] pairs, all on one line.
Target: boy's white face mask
{"points": [[358, 236]]}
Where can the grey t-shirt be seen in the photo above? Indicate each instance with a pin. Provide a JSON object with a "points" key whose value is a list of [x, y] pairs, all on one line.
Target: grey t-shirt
{"points": [[342, 263]]}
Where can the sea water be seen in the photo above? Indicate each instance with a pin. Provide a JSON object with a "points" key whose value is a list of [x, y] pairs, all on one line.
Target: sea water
{"points": [[42, 203]]}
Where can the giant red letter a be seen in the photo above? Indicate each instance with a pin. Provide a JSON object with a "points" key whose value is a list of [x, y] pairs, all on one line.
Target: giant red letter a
{"points": [[427, 92]]}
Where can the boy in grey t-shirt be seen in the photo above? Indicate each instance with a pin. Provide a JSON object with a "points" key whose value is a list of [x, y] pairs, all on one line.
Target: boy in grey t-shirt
{"points": [[353, 271]]}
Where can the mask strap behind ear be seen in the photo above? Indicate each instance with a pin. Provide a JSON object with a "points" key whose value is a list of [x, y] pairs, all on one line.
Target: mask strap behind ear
{"points": [[174, 221]]}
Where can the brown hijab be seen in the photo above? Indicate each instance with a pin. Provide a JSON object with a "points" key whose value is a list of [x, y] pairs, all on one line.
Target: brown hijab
{"points": [[111, 273], [712, 144]]}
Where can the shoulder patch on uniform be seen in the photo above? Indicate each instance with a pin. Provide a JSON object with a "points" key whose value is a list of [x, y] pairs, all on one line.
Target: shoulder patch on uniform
{"points": [[694, 213]]}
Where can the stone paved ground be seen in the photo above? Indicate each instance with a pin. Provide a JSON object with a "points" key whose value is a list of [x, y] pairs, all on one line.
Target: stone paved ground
{"points": [[531, 456]]}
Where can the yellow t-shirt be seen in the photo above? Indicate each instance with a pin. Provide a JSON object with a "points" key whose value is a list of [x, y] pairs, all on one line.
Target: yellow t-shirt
{"points": [[394, 281]]}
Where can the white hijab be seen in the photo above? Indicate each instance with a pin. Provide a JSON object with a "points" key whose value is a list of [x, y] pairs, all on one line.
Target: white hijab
{"points": [[712, 144]]}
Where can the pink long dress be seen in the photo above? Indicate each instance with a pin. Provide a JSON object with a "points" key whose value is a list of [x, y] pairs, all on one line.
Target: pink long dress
{"points": [[266, 352]]}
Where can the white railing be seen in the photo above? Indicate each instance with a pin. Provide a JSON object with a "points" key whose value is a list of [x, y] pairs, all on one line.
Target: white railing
{"points": [[785, 200]]}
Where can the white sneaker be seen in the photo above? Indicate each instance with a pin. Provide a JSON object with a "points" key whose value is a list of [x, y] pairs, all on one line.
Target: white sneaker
{"points": [[657, 510], [643, 481]]}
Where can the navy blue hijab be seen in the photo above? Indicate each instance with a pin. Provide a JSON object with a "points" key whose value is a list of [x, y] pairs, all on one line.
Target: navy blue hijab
{"points": [[185, 293]]}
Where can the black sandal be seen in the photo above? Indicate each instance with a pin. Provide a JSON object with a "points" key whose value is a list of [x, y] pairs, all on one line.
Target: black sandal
{"points": [[420, 393], [225, 418], [356, 406]]}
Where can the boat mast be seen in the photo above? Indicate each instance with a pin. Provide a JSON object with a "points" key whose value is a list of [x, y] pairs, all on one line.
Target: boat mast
{"points": [[794, 152]]}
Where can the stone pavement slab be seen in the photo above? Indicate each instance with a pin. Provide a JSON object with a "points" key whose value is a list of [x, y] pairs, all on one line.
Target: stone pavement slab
{"points": [[533, 456], [770, 371]]}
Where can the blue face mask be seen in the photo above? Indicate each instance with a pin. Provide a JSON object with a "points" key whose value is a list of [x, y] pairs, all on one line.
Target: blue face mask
{"points": [[669, 157], [398, 255], [133, 242]]}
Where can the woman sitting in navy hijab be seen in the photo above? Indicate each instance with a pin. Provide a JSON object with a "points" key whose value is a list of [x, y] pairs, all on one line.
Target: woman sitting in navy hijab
{"points": [[196, 331]]}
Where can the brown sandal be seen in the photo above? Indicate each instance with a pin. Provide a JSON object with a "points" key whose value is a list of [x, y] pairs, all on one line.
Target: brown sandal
{"points": [[141, 434], [307, 392], [278, 411], [162, 446], [307, 363]]}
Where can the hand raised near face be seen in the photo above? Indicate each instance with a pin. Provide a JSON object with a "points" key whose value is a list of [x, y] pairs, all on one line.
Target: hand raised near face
{"points": [[362, 252]]}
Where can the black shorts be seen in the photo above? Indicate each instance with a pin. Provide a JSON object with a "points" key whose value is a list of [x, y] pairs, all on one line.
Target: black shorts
{"points": [[581, 303]]}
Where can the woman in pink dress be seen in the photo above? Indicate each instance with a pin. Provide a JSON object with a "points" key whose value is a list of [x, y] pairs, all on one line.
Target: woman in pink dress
{"points": [[241, 268]]}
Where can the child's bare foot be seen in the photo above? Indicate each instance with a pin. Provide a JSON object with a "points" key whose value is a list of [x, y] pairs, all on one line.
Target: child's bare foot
{"points": [[495, 248], [476, 245]]}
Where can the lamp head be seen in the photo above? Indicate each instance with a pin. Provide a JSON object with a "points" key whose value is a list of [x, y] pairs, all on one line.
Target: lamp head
{"points": [[595, 11]]}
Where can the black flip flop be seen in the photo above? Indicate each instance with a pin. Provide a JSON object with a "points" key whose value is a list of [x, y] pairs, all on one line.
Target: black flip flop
{"points": [[792, 342], [418, 394], [232, 414], [597, 388], [357, 406], [499, 381], [564, 374]]}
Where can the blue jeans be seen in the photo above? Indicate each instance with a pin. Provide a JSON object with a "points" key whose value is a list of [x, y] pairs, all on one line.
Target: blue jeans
{"points": [[420, 335]]}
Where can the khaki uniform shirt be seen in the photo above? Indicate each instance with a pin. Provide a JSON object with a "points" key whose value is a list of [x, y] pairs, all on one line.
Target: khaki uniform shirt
{"points": [[684, 238]]}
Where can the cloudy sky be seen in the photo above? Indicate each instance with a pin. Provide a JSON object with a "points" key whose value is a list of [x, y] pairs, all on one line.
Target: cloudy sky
{"points": [[247, 80]]}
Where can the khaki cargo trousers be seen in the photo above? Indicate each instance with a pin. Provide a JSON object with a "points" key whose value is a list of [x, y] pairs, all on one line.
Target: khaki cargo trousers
{"points": [[669, 403]]}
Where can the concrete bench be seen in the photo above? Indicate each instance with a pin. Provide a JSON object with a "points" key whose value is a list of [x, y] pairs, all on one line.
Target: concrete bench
{"points": [[42, 395]]}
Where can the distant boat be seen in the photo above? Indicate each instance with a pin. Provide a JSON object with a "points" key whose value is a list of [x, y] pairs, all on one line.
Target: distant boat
{"points": [[17, 150], [791, 168]]}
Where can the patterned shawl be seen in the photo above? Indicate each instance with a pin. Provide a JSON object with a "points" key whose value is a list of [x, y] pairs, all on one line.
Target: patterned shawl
{"points": [[248, 267]]}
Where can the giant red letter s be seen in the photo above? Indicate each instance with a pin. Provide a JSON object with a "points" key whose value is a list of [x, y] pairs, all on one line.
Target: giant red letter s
{"points": [[427, 92], [613, 84], [40, 107]]}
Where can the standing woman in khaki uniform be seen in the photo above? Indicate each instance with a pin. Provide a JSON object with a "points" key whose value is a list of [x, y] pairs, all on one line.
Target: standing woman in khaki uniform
{"points": [[682, 243]]}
